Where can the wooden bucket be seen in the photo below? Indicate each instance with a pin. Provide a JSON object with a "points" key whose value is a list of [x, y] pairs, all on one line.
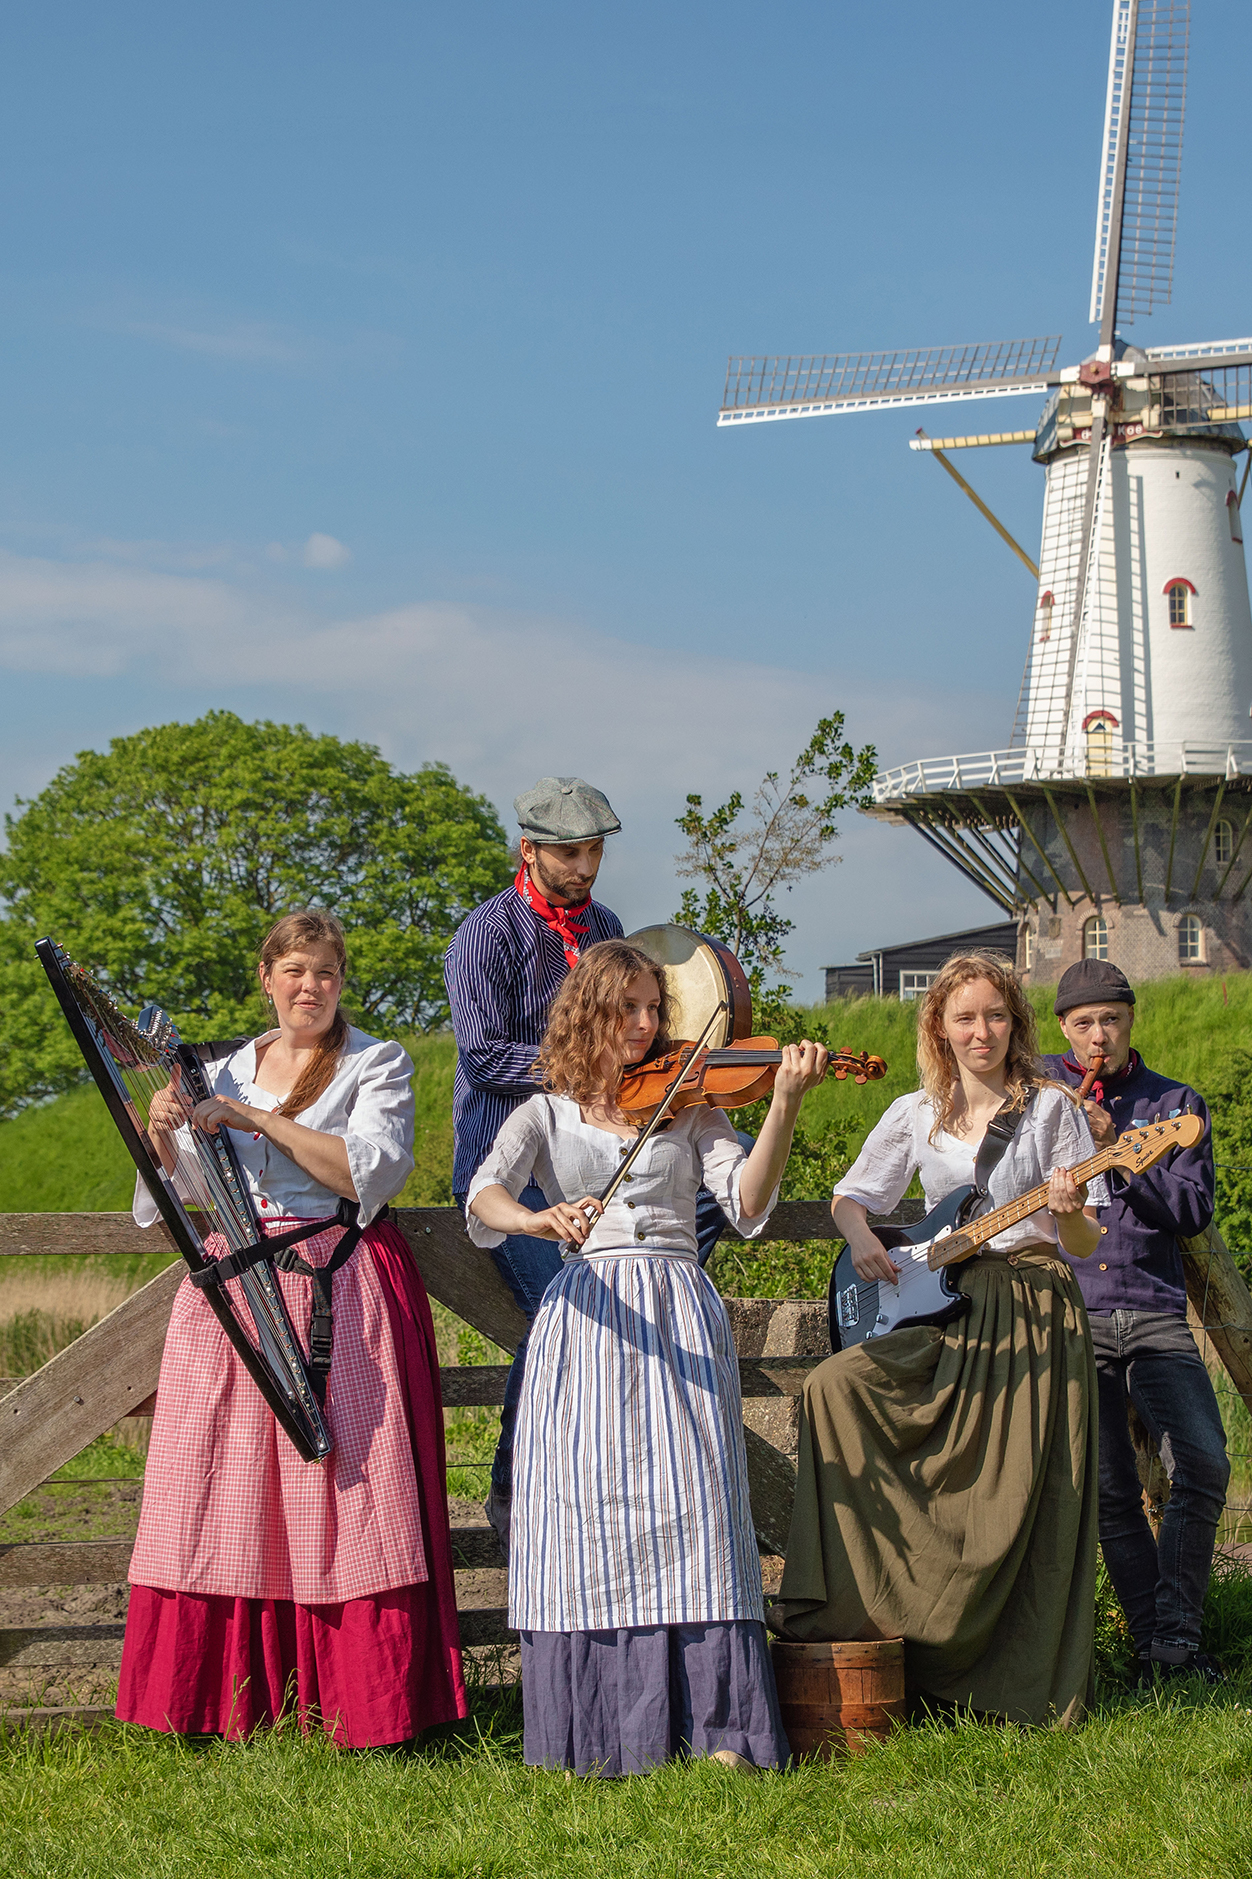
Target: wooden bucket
{"points": [[833, 1696]]}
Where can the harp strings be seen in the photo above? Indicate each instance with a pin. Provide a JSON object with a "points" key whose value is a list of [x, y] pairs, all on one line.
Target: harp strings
{"points": [[203, 1175]]}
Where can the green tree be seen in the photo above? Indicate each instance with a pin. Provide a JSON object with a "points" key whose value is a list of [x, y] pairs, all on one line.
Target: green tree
{"points": [[160, 863], [789, 832]]}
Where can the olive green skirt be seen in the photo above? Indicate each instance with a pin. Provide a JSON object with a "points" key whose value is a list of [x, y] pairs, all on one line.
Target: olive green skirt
{"points": [[947, 1495]]}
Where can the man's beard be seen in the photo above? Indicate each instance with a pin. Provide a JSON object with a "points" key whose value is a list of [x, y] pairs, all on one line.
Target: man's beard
{"points": [[558, 887]]}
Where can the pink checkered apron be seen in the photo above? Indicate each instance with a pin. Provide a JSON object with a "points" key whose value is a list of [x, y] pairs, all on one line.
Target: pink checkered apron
{"points": [[250, 1555]]}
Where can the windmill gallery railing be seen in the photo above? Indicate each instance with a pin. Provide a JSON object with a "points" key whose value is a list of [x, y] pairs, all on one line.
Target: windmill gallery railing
{"points": [[111, 1372], [991, 768]]}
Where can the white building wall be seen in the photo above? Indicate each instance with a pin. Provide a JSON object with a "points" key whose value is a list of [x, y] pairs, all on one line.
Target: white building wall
{"points": [[1200, 677], [1161, 514]]}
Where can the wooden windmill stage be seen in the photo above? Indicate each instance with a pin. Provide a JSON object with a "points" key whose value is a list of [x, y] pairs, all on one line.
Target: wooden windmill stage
{"points": [[1117, 822]]}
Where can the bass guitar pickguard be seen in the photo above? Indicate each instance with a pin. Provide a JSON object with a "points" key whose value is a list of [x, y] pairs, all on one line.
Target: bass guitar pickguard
{"points": [[861, 1309]]}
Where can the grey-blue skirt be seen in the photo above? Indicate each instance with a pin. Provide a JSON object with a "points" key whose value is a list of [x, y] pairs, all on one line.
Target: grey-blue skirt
{"points": [[622, 1702]]}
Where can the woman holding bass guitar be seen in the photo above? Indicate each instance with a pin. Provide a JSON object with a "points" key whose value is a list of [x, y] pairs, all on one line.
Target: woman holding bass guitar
{"points": [[634, 1578], [948, 1473]]}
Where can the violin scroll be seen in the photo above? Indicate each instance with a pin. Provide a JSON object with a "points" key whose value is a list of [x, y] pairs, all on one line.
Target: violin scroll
{"points": [[858, 1064]]}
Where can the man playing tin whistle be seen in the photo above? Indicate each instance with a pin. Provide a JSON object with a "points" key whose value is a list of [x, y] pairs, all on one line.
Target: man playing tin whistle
{"points": [[1137, 1304]]}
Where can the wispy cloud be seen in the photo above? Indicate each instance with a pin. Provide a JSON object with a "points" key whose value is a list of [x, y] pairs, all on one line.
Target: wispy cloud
{"points": [[245, 342], [323, 551], [505, 699]]}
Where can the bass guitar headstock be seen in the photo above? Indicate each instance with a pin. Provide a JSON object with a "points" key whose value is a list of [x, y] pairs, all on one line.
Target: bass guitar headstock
{"points": [[1139, 1148], [858, 1064]]}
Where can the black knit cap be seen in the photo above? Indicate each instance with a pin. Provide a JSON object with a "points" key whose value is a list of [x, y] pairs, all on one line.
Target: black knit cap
{"points": [[1092, 982]]}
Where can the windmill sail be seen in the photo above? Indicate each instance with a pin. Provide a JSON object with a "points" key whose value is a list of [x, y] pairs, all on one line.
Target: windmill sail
{"points": [[830, 384], [1141, 160]]}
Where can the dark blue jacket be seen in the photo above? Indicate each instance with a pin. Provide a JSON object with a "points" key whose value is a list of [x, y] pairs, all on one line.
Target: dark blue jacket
{"points": [[1138, 1266], [503, 969]]}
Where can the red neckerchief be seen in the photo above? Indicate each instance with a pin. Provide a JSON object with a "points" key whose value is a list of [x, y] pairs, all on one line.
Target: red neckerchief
{"points": [[560, 919], [1097, 1088]]}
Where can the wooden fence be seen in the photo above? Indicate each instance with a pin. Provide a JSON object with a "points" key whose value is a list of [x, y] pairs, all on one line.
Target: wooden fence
{"points": [[111, 1372]]}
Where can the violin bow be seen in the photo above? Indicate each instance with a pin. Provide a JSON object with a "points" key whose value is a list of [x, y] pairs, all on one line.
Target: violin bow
{"points": [[646, 1133]]}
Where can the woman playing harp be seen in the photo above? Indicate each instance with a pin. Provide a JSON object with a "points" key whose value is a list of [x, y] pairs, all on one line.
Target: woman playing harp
{"points": [[948, 1473], [259, 1579], [634, 1577]]}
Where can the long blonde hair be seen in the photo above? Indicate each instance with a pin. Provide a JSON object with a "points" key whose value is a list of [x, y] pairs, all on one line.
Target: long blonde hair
{"points": [[935, 1060], [586, 1018], [296, 932]]}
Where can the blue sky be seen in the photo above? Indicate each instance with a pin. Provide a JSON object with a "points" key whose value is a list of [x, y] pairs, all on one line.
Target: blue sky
{"points": [[360, 366]]}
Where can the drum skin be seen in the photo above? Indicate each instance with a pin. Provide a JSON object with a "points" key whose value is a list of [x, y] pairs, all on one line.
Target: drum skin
{"points": [[702, 973]]}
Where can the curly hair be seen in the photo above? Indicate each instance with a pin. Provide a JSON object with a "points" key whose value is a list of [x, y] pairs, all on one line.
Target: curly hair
{"points": [[297, 932], [935, 1060], [586, 1018]]}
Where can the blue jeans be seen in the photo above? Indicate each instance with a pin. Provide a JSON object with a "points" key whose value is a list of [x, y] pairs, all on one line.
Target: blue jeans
{"points": [[1151, 1357], [528, 1267]]}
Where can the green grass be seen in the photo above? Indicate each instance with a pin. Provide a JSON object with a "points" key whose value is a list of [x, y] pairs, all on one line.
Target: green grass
{"points": [[1158, 1787], [67, 1157]]}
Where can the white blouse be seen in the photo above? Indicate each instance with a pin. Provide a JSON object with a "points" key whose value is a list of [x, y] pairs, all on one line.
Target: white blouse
{"points": [[369, 1102], [654, 1209], [1053, 1134]]}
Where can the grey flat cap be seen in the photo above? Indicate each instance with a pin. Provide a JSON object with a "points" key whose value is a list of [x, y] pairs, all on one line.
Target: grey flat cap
{"points": [[564, 809]]}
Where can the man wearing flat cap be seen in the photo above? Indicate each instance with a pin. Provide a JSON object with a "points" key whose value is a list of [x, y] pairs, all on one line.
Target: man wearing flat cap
{"points": [[1137, 1305], [504, 967]]}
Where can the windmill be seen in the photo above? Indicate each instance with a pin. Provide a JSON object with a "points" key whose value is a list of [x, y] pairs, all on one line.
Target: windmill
{"points": [[1100, 827]]}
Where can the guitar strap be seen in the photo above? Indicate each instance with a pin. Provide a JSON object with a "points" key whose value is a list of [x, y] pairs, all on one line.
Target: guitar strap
{"points": [[1001, 1130]]}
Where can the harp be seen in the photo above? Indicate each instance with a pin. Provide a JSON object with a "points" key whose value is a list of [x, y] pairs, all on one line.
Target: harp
{"points": [[205, 1192]]}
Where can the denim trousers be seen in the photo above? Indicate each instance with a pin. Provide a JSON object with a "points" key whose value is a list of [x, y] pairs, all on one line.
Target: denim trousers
{"points": [[1151, 1358], [528, 1266]]}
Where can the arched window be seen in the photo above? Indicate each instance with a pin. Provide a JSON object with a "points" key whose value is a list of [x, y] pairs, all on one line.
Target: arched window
{"points": [[1223, 843], [1099, 727], [1233, 517], [1190, 940], [1095, 937], [1180, 592]]}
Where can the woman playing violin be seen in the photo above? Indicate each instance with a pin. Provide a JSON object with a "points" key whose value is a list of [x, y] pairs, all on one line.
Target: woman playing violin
{"points": [[634, 1577]]}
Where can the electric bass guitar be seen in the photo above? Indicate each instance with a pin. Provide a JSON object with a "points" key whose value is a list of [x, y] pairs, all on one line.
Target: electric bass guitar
{"points": [[929, 1254]]}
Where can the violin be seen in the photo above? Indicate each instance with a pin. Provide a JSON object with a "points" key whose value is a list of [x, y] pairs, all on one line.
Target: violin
{"points": [[723, 1079]]}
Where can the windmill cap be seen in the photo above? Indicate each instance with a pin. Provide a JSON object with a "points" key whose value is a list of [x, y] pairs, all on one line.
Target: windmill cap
{"points": [[564, 809], [1092, 982]]}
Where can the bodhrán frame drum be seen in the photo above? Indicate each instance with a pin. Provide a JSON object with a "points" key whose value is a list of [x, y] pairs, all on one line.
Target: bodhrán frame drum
{"points": [[702, 974]]}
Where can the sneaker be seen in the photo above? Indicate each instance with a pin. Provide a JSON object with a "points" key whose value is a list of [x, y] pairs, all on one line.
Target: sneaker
{"points": [[1197, 1664], [499, 1511]]}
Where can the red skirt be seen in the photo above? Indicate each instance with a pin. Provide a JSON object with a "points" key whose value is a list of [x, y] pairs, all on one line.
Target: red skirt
{"points": [[369, 1670]]}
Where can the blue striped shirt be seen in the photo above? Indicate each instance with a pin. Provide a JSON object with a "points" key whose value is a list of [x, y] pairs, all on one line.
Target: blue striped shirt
{"points": [[503, 969]]}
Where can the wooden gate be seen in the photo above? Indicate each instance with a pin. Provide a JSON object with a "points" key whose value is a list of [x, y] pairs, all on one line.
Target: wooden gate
{"points": [[111, 1372]]}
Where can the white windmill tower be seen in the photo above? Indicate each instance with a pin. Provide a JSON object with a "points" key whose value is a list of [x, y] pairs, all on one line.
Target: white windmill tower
{"points": [[1116, 821]]}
